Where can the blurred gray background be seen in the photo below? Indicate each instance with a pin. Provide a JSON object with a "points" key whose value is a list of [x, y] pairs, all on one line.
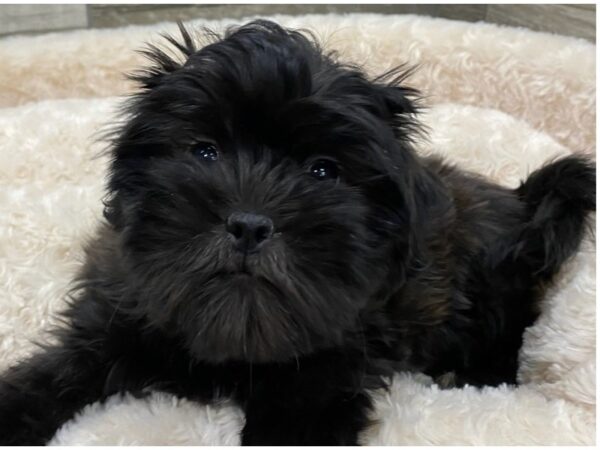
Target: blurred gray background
{"points": [[571, 20]]}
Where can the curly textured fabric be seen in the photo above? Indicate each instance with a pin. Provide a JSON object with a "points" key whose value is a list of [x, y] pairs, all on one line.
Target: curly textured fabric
{"points": [[545, 79], [502, 101]]}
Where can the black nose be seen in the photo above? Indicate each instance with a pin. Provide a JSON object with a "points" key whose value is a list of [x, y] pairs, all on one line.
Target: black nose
{"points": [[249, 230]]}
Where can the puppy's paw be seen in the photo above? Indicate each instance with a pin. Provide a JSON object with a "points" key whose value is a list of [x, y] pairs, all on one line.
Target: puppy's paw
{"points": [[446, 380]]}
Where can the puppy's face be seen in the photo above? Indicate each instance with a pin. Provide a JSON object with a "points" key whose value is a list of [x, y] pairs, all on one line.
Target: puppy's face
{"points": [[256, 190]]}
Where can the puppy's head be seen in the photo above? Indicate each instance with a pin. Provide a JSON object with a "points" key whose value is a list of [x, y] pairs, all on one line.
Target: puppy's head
{"points": [[263, 194]]}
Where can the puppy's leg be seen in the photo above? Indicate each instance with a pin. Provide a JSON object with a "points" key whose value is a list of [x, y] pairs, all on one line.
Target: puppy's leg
{"points": [[558, 198], [270, 422], [319, 405], [92, 358], [40, 394]]}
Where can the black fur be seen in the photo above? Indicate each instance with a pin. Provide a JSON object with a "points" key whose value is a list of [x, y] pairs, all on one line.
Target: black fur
{"points": [[400, 263]]}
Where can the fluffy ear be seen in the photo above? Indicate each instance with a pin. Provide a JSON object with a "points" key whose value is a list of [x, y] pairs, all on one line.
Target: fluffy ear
{"points": [[416, 202], [402, 102], [126, 138], [164, 63], [416, 198]]}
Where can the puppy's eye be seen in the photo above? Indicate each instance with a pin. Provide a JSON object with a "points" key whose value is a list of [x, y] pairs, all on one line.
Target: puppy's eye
{"points": [[323, 169], [205, 151]]}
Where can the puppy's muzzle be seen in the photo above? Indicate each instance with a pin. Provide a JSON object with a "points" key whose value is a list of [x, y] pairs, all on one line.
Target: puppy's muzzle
{"points": [[249, 231]]}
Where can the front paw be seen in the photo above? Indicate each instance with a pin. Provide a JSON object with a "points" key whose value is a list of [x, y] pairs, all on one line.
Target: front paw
{"points": [[17, 426], [335, 423], [446, 380], [299, 433], [450, 380]]}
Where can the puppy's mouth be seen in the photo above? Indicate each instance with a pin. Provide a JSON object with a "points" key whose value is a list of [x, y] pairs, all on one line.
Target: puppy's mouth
{"points": [[252, 264], [258, 272], [249, 270], [241, 265], [243, 271]]}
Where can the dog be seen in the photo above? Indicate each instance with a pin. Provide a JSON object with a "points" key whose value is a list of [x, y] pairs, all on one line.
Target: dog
{"points": [[271, 236]]}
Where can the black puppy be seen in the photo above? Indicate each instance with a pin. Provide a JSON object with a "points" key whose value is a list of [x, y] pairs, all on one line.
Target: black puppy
{"points": [[271, 236]]}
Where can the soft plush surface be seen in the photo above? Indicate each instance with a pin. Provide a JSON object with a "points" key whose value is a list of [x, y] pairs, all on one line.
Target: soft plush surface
{"points": [[502, 101]]}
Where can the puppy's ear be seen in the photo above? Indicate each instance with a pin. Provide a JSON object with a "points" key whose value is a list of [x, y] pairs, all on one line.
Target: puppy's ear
{"points": [[416, 198], [400, 99], [401, 102], [415, 201], [129, 148], [165, 61]]}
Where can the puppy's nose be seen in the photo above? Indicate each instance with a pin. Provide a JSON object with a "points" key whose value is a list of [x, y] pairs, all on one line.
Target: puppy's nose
{"points": [[249, 230]]}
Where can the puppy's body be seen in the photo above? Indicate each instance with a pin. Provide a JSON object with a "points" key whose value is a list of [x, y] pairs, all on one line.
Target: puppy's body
{"points": [[272, 237]]}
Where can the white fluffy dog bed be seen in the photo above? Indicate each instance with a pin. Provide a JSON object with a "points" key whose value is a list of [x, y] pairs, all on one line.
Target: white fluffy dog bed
{"points": [[503, 101]]}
